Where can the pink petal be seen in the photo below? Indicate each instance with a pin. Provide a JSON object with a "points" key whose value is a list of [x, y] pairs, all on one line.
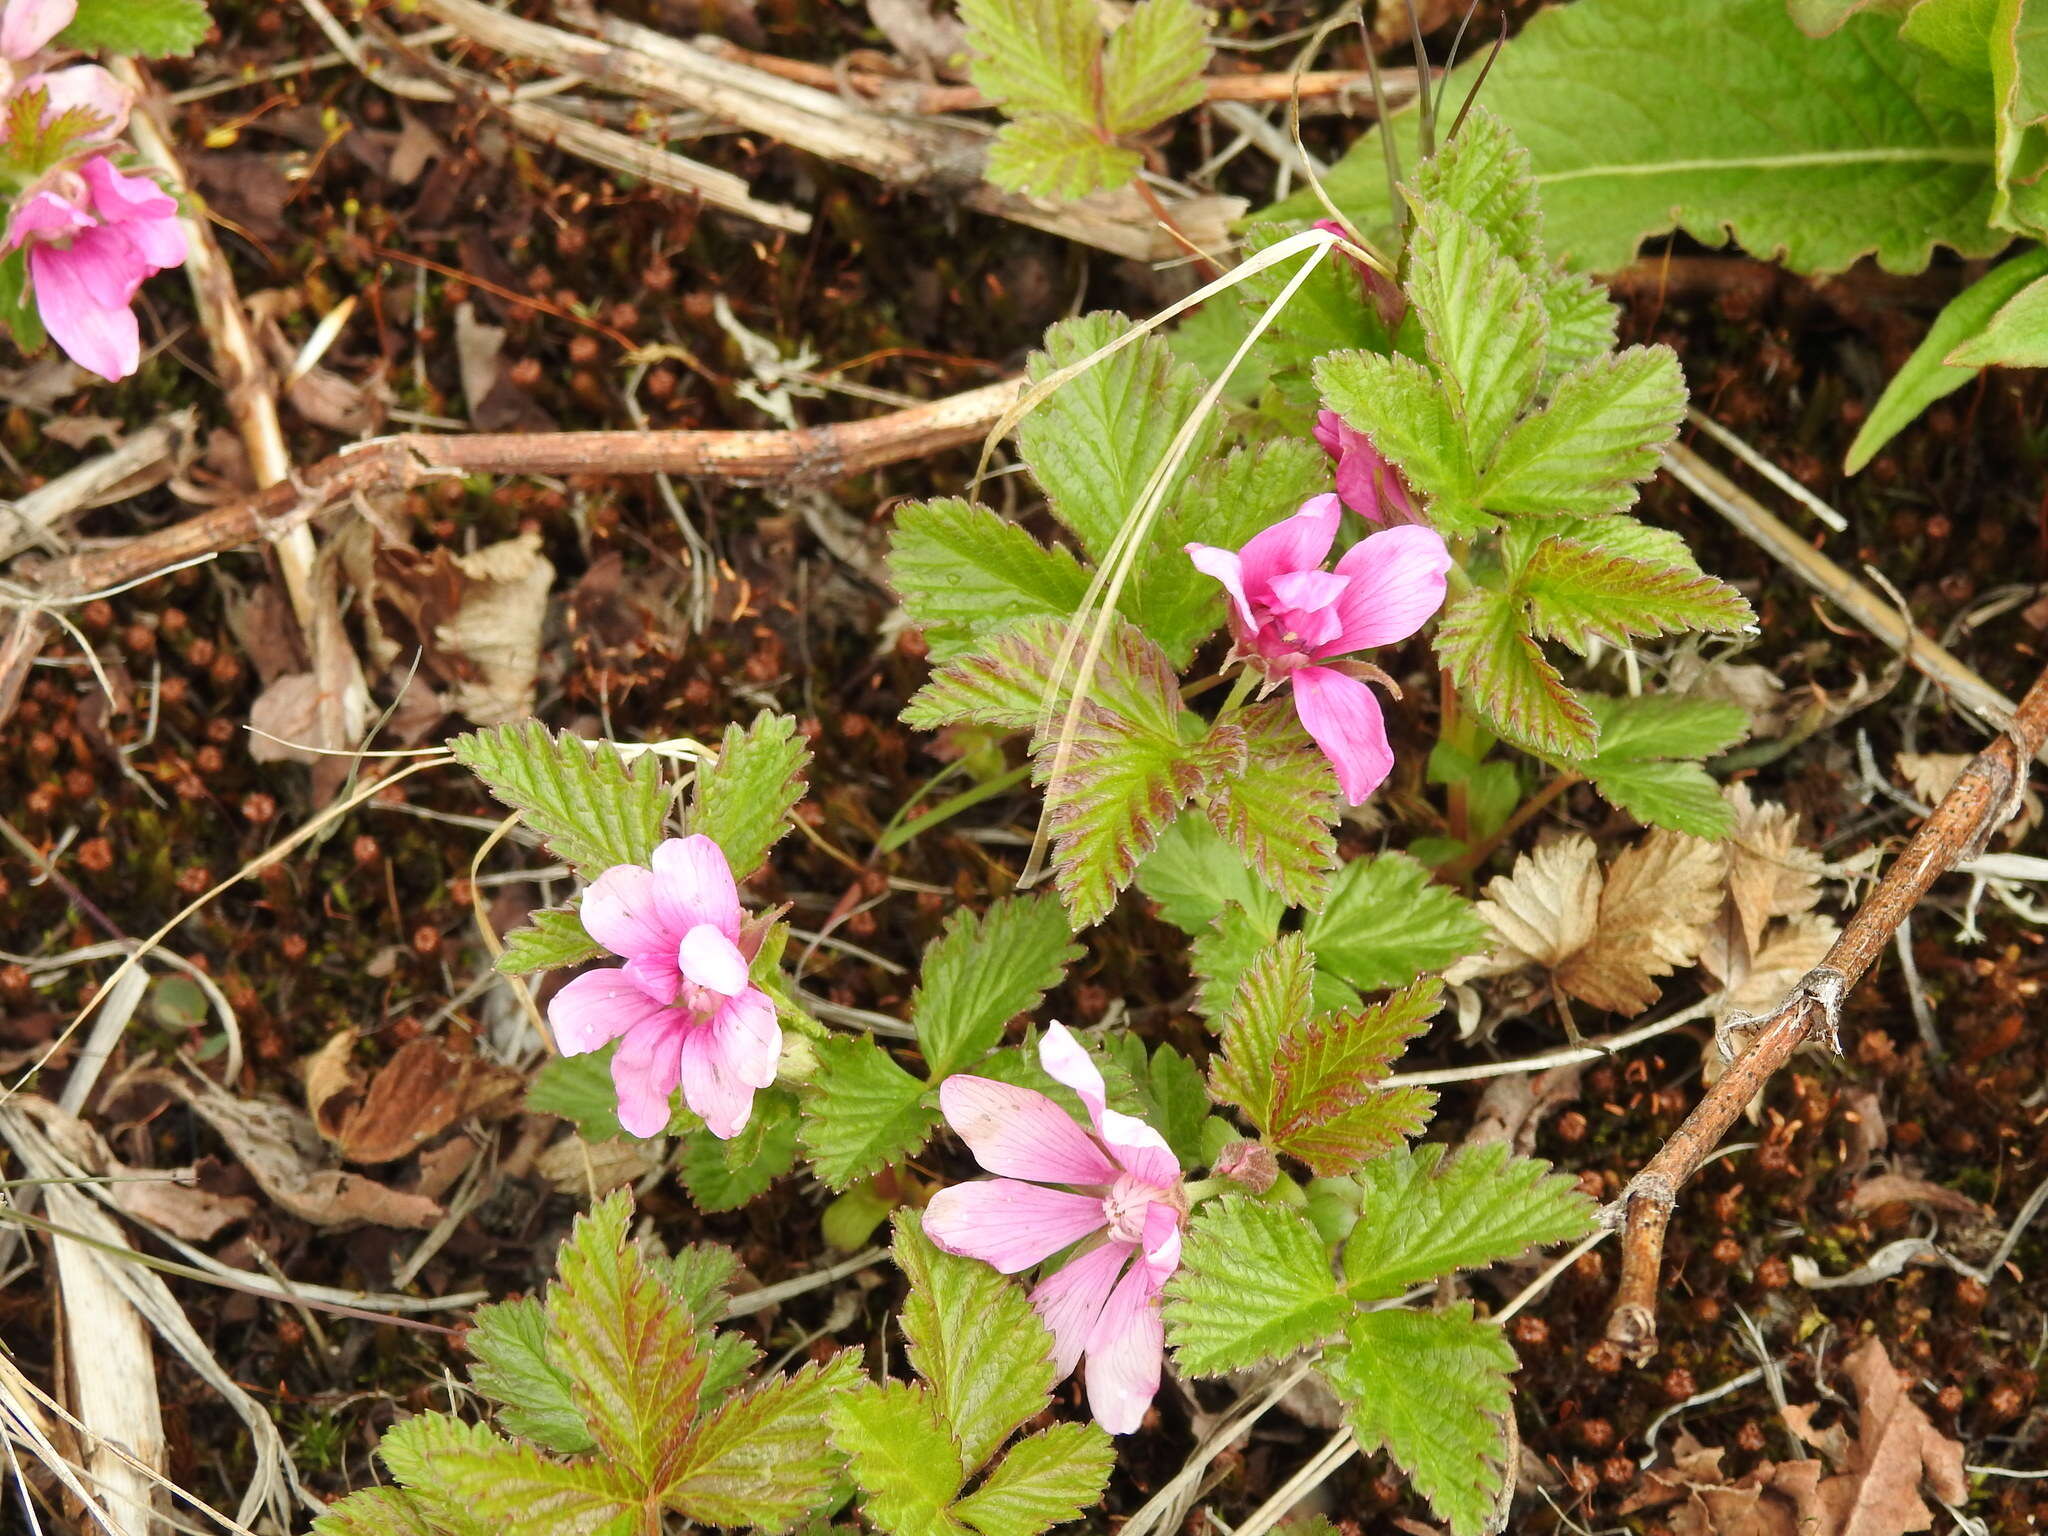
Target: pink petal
{"points": [[45, 213], [1067, 1062], [87, 86], [713, 961], [711, 1087], [1142, 1151], [1329, 433], [644, 1072], [657, 975], [1136, 1147], [1070, 1299], [118, 198], [1008, 1223], [747, 1037], [1021, 1134], [1397, 583], [1307, 590], [621, 912], [1124, 1351], [1342, 715], [1370, 486], [1161, 1255], [693, 883], [26, 26], [1296, 543], [598, 1007], [1226, 568], [98, 336]]}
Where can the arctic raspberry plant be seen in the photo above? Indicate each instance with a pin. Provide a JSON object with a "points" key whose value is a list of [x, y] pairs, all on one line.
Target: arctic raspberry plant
{"points": [[1223, 645]]}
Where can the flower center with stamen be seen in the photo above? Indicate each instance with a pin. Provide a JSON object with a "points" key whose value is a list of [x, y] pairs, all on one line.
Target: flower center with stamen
{"points": [[1125, 1206]]}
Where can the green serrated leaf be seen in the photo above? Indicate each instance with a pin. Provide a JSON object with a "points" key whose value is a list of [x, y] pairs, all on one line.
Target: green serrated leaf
{"points": [[1681, 796], [1279, 807], [1658, 726], [974, 1338], [378, 1512], [484, 1483], [1425, 1215], [1057, 158], [1577, 594], [1387, 922], [630, 1353], [1153, 66], [1584, 454], [512, 1368], [898, 1450], [589, 805], [1270, 994], [1484, 175], [552, 938], [1097, 440], [1432, 1388], [1002, 684], [1224, 503], [743, 800], [580, 1090], [765, 1460], [1047, 1479], [1035, 55], [1224, 951], [155, 29], [1484, 642], [1192, 875], [1327, 1107], [1486, 329], [862, 1112], [725, 1175], [1176, 1102], [1397, 402], [1928, 374], [964, 572], [1583, 322], [983, 971], [1254, 1284]]}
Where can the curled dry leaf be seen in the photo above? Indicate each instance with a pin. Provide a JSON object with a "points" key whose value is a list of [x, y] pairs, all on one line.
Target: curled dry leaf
{"points": [[416, 1095], [1933, 774], [1897, 1449], [1768, 935], [174, 1199], [1889, 1188], [1771, 1499], [1604, 938], [590, 1168], [283, 1153]]}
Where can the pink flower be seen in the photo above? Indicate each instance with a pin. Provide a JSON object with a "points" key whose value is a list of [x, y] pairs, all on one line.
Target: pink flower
{"points": [[1366, 482], [681, 1007], [1123, 1204], [27, 26], [1292, 618], [93, 235]]}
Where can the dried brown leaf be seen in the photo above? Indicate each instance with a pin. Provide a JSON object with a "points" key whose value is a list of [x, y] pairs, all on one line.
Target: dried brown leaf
{"points": [[1654, 911], [416, 1095], [1545, 909], [1772, 1499], [1933, 774], [496, 629], [1757, 983], [1897, 1450], [1769, 873], [1888, 1188]]}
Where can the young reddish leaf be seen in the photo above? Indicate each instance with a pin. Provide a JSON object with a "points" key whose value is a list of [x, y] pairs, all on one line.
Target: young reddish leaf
{"points": [[764, 1459], [1272, 994], [1326, 1107], [1577, 593], [1485, 642], [1278, 808]]}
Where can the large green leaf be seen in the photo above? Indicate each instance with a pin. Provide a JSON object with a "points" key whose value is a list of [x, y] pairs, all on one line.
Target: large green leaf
{"points": [[534, 1395], [592, 807], [982, 972], [1584, 453], [1387, 922], [1193, 874], [1714, 116], [901, 1454], [1254, 1284], [964, 572], [862, 1112]]}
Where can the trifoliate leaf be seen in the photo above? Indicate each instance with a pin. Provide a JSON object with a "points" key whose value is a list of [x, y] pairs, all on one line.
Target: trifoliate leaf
{"points": [[580, 1090], [725, 1175], [630, 1353], [975, 1340], [964, 572], [487, 1483], [552, 938], [1396, 402], [510, 1342], [1327, 1107], [1225, 501], [591, 807], [1192, 875], [899, 1451], [1485, 643], [1425, 1215], [1278, 807], [1057, 158], [1270, 995], [862, 1112], [1432, 1388], [1096, 441], [1254, 1284], [1585, 452], [744, 799], [1035, 55], [1387, 922], [764, 1460], [1484, 326], [1047, 1479], [1153, 66], [154, 29], [982, 972], [1578, 593]]}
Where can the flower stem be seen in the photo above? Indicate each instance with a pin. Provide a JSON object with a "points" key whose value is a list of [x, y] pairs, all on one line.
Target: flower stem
{"points": [[1239, 692], [1195, 1191]]}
